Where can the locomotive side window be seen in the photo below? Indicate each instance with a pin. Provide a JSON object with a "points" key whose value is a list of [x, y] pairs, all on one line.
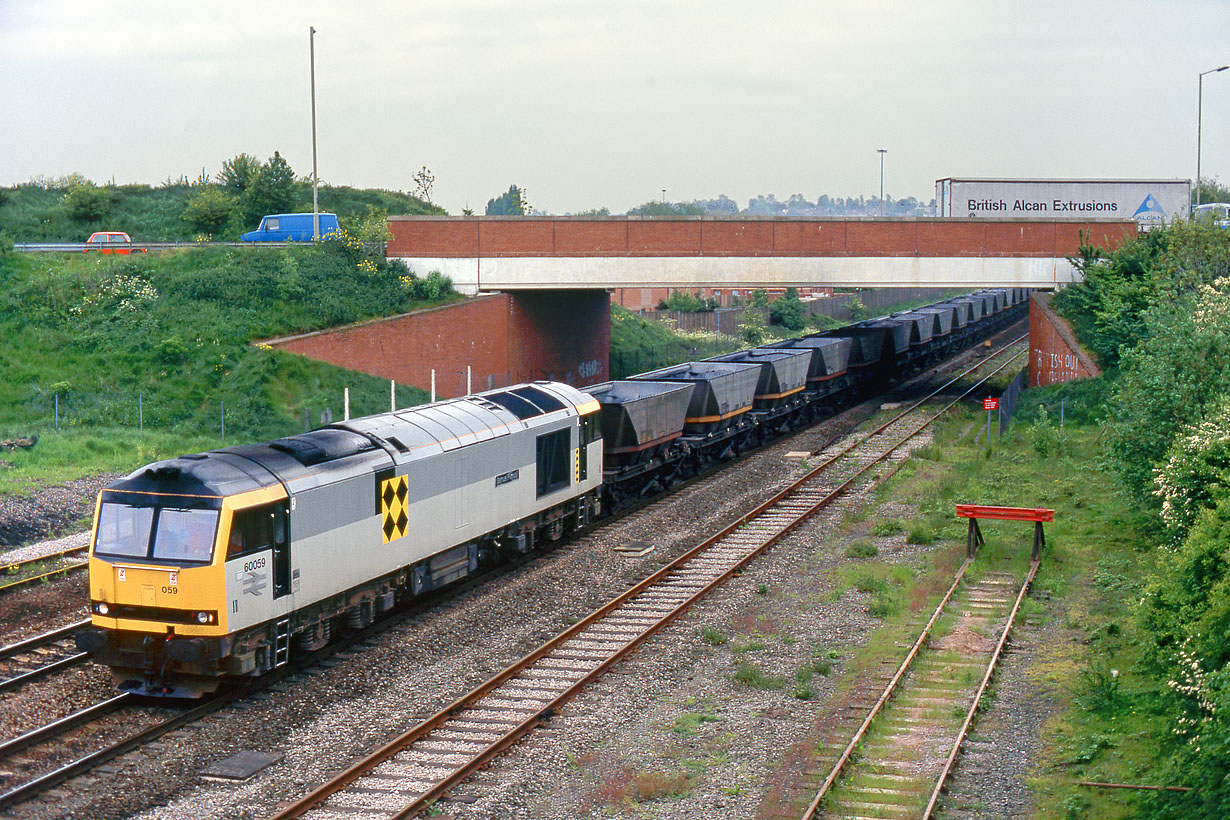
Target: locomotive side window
{"points": [[590, 428], [185, 535], [251, 531], [553, 461], [123, 530]]}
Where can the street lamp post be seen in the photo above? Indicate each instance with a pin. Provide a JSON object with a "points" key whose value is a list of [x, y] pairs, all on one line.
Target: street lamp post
{"points": [[1199, 118], [882, 152], [315, 177]]}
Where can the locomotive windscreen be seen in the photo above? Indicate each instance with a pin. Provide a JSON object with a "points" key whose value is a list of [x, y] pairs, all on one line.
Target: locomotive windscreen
{"points": [[165, 533]]}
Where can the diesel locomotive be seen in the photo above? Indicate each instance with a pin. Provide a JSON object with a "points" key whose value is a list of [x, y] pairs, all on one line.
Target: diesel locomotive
{"points": [[220, 565]]}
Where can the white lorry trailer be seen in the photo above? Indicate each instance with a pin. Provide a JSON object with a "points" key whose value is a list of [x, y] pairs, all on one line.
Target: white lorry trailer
{"points": [[1148, 201]]}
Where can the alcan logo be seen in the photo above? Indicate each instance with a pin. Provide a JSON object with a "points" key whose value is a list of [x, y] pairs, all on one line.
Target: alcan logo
{"points": [[1150, 211]]}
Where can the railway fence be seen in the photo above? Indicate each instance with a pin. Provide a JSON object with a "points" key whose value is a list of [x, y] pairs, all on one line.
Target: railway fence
{"points": [[726, 321]]}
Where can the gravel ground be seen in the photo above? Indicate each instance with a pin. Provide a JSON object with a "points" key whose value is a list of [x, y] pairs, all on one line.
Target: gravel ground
{"points": [[668, 733], [47, 512]]}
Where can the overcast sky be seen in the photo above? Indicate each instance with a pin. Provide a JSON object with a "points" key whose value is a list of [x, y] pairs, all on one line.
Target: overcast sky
{"points": [[590, 104]]}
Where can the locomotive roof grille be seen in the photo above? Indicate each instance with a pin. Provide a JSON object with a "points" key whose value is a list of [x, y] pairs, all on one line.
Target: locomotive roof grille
{"points": [[526, 402], [323, 445]]}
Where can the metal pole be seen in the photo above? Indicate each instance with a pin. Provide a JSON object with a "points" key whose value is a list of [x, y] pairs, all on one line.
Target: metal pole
{"points": [[392, 396], [433, 386], [345, 404], [140, 414], [57, 412], [222, 407], [1199, 118], [882, 152], [315, 176], [469, 388]]}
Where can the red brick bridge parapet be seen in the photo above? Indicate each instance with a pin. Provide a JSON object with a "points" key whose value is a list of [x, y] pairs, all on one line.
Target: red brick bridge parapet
{"points": [[567, 253]]}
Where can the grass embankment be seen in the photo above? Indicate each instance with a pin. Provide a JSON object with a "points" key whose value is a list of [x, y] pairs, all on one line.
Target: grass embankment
{"points": [[1107, 724], [43, 212], [163, 341], [639, 345]]}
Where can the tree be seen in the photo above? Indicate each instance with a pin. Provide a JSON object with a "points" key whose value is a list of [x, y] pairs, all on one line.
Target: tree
{"points": [[752, 329], [760, 298], [209, 209], [371, 230], [788, 311], [238, 173], [424, 179], [507, 204], [659, 208], [1211, 190], [273, 190]]}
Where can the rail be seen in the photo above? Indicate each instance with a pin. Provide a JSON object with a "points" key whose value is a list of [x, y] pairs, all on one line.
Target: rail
{"points": [[972, 512], [500, 711]]}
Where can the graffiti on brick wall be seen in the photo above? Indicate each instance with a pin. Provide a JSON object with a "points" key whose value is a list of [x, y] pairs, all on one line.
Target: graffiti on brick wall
{"points": [[1054, 368], [589, 369]]}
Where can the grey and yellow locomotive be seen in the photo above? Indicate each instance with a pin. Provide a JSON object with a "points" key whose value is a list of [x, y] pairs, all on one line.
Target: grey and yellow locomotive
{"points": [[220, 564]]}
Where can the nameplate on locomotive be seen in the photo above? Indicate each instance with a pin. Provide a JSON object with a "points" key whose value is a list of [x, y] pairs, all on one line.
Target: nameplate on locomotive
{"points": [[507, 478]]}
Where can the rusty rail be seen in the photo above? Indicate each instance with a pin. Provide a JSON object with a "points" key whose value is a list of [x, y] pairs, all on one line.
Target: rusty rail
{"points": [[982, 687]]}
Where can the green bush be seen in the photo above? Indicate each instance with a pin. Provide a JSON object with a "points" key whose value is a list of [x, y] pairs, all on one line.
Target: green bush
{"points": [[748, 674], [788, 311], [1195, 469], [891, 526], [862, 549], [210, 210], [86, 202]]}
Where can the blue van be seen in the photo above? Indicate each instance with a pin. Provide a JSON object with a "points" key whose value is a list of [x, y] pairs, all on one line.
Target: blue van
{"points": [[291, 228]]}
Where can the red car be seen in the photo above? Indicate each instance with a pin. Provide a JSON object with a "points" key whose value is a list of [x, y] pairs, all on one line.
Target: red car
{"points": [[111, 242]]}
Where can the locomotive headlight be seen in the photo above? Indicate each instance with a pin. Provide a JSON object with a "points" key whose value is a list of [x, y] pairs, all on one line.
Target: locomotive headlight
{"points": [[202, 617], [102, 609]]}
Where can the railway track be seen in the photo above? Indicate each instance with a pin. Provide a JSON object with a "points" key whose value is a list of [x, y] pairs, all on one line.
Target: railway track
{"points": [[23, 776], [20, 574], [40, 656], [407, 775], [892, 765]]}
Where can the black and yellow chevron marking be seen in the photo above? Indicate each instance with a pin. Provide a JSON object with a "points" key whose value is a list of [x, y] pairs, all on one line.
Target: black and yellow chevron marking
{"points": [[394, 502]]}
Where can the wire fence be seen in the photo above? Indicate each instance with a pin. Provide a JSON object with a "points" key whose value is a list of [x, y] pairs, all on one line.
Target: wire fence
{"points": [[1006, 405]]}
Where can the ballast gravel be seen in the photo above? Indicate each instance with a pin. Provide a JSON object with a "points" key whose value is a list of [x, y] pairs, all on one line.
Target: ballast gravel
{"points": [[680, 729]]}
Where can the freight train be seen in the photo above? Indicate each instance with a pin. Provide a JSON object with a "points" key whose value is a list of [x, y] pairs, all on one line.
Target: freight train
{"points": [[223, 564]]}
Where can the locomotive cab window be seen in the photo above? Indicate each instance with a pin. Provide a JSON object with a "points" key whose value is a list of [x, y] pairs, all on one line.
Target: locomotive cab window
{"points": [[123, 530], [591, 430], [185, 535], [166, 533], [251, 531], [553, 461]]}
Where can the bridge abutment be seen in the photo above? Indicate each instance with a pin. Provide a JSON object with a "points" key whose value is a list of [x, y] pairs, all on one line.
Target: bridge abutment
{"points": [[504, 338]]}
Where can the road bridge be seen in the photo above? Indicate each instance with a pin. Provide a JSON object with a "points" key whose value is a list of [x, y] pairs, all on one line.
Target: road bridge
{"points": [[571, 253]]}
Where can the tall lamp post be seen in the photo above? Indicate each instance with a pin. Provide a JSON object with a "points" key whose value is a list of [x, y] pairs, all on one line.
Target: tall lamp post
{"points": [[315, 178], [882, 152], [1199, 118]]}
